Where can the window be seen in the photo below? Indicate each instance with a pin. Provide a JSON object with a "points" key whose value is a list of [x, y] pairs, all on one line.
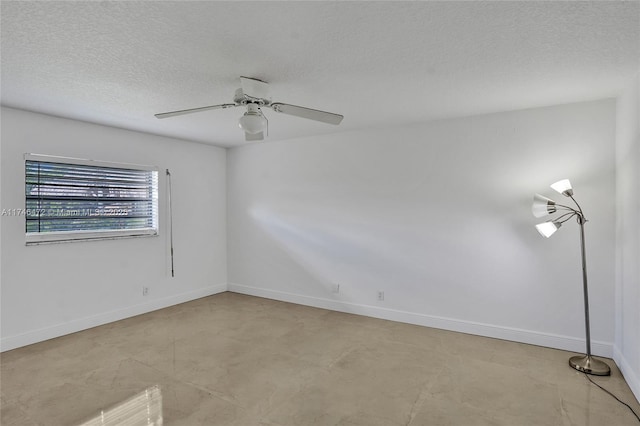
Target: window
{"points": [[70, 199]]}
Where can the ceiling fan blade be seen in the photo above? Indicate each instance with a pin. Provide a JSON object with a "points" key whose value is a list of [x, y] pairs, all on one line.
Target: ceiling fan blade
{"points": [[192, 110], [254, 88], [254, 137], [311, 114]]}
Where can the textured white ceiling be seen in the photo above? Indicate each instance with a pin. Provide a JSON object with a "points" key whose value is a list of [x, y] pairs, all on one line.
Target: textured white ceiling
{"points": [[377, 63]]}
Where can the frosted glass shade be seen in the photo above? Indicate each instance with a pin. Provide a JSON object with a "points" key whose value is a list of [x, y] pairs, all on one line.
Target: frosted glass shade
{"points": [[547, 229], [542, 206], [253, 123], [563, 186]]}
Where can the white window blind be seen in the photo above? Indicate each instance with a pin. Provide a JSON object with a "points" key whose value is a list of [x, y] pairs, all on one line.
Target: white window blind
{"points": [[71, 199]]}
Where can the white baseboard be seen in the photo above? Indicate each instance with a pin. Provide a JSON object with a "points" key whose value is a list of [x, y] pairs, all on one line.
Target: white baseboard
{"points": [[499, 332], [632, 378], [39, 335], [555, 341]]}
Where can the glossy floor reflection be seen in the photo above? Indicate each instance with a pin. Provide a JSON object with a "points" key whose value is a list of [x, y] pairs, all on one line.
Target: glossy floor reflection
{"points": [[231, 359]]}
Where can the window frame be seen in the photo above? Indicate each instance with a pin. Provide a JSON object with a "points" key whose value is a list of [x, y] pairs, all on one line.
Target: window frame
{"points": [[34, 238]]}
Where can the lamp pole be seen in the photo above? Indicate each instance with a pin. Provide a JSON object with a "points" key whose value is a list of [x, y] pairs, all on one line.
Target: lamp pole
{"points": [[587, 364], [581, 221]]}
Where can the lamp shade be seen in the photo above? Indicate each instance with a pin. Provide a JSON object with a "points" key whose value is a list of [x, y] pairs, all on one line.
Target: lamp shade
{"points": [[563, 186], [547, 229], [542, 206]]}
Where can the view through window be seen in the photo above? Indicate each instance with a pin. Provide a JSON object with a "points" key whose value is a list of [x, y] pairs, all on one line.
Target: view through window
{"points": [[71, 199]]}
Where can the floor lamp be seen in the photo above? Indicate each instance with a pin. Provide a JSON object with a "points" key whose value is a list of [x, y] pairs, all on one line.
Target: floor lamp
{"points": [[543, 206]]}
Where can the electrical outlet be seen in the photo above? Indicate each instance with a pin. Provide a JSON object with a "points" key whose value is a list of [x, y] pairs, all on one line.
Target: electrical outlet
{"points": [[145, 291], [380, 295], [335, 288]]}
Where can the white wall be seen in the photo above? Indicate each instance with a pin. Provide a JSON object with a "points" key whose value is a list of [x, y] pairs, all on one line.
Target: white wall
{"points": [[50, 290], [437, 216], [627, 336]]}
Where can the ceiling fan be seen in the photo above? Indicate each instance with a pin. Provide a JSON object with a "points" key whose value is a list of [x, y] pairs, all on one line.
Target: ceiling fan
{"points": [[254, 95]]}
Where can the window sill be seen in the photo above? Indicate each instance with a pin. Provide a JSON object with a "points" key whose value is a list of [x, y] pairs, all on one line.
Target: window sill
{"points": [[70, 237]]}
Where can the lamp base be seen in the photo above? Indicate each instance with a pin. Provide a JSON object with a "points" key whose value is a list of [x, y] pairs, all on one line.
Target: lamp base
{"points": [[590, 365]]}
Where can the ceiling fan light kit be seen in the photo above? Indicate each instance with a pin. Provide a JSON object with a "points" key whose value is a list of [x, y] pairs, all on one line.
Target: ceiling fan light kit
{"points": [[253, 122], [254, 94]]}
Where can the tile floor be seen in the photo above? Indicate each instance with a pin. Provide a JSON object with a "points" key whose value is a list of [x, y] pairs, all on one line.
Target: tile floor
{"points": [[238, 360]]}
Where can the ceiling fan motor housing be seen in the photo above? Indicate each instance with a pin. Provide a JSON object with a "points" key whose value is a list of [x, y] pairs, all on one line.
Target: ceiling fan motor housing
{"points": [[255, 88]]}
